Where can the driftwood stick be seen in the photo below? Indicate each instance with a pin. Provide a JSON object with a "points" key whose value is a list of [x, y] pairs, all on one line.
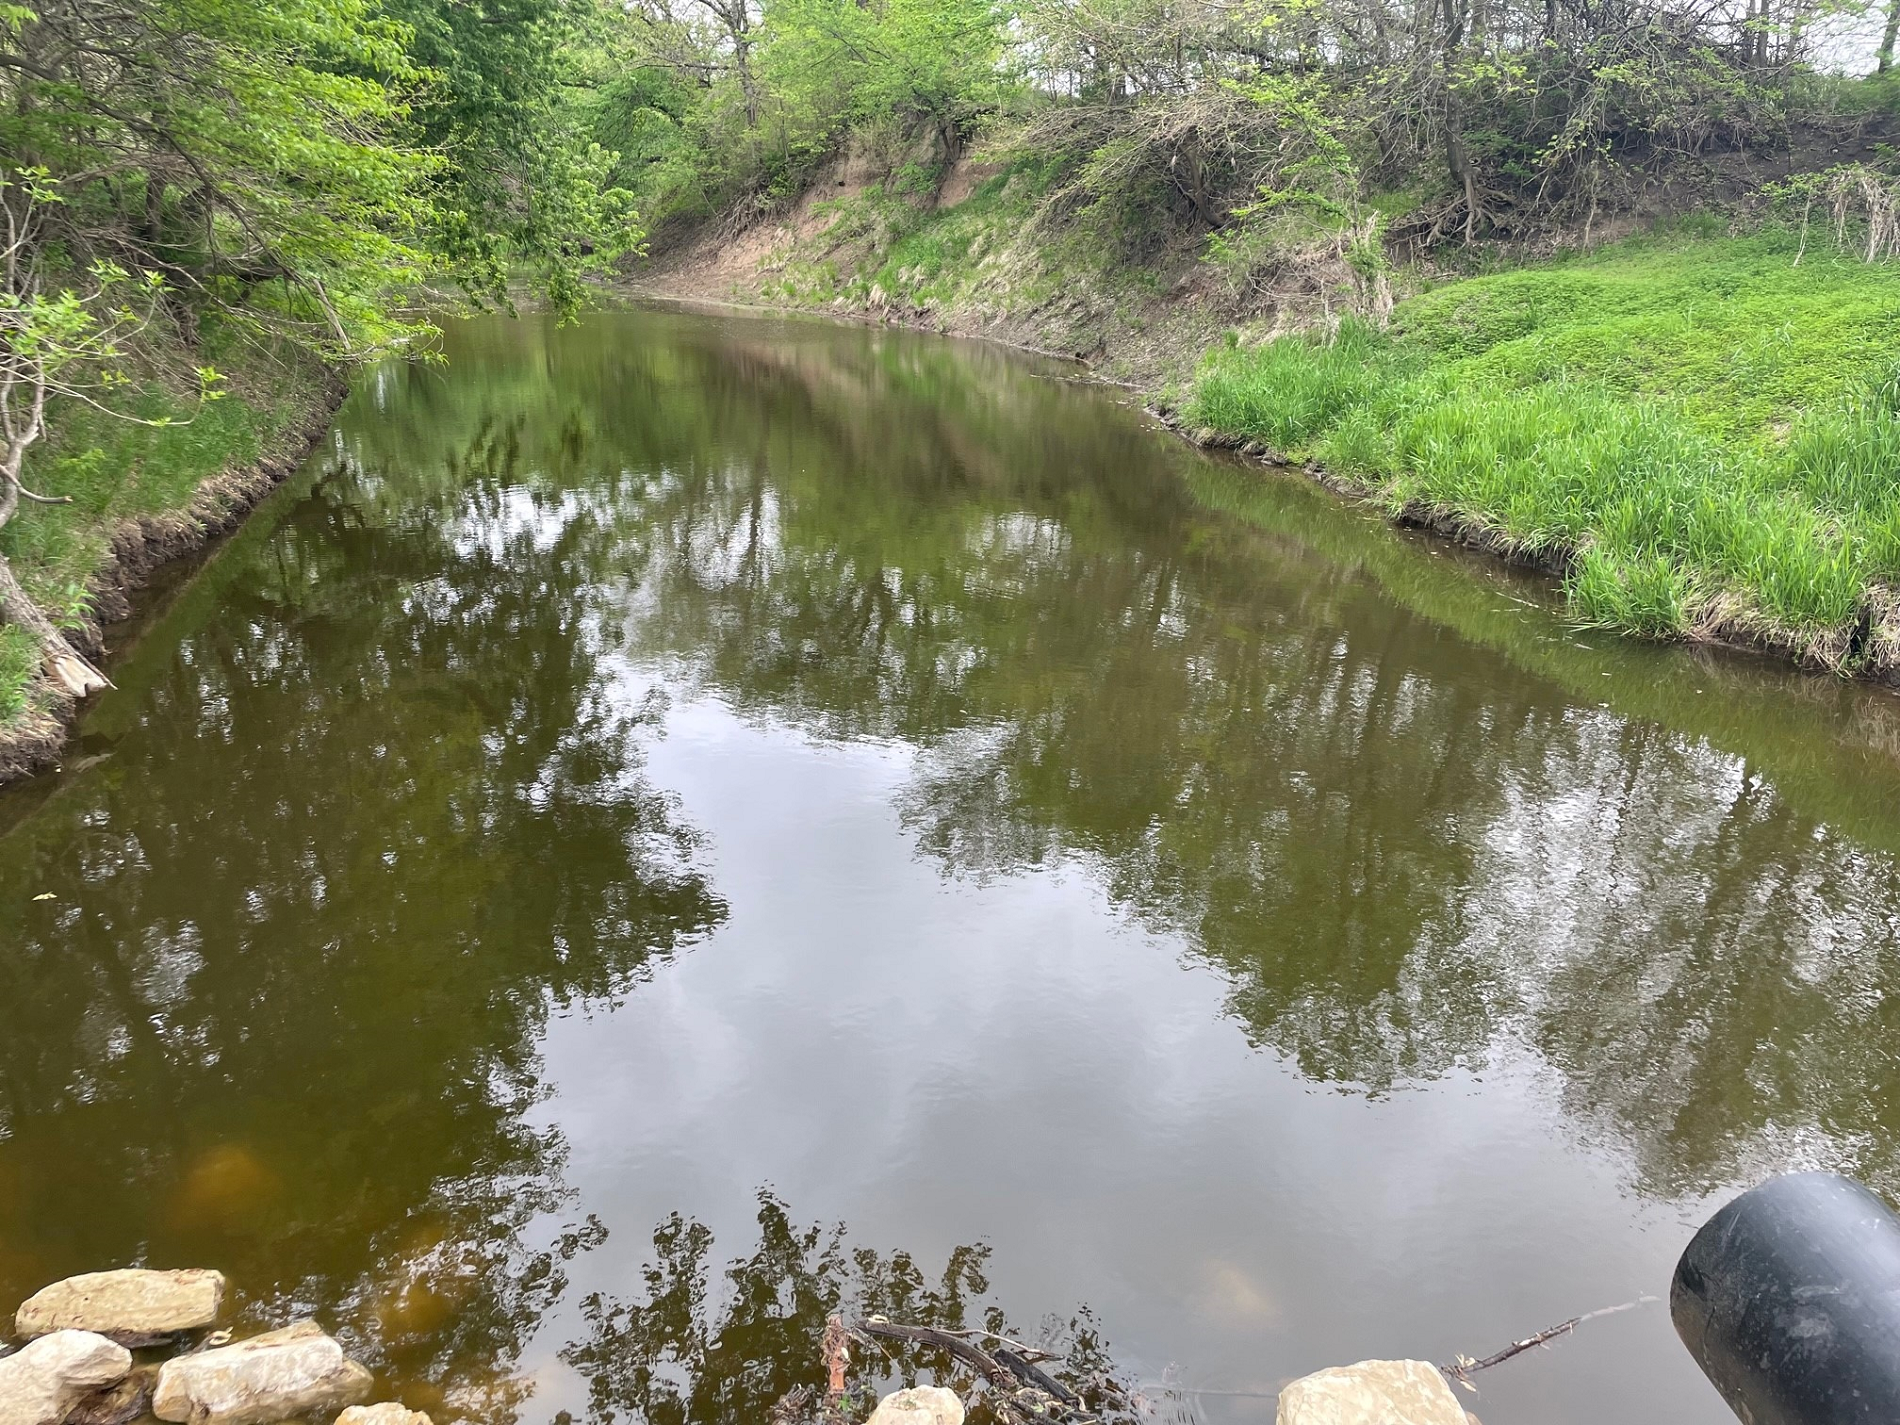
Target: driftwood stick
{"points": [[837, 1349], [966, 1351], [1028, 1353], [1464, 1367], [1025, 1392]]}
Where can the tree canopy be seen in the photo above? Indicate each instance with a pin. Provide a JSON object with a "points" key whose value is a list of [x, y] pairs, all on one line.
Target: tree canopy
{"points": [[178, 177], [1155, 122]]}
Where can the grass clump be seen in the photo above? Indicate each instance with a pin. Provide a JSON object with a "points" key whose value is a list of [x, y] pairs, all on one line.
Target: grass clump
{"points": [[1701, 433], [1316, 383], [19, 658]]}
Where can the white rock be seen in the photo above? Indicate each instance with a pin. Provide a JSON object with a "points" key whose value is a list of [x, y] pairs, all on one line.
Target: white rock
{"points": [[921, 1405], [295, 1371], [128, 1303], [41, 1382], [387, 1412], [1372, 1393]]}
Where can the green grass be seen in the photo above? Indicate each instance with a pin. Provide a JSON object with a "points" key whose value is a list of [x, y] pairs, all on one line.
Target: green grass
{"points": [[18, 659], [1703, 432], [116, 470]]}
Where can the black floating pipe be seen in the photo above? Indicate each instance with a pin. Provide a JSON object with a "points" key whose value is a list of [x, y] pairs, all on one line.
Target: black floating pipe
{"points": [[1789, 1300]]}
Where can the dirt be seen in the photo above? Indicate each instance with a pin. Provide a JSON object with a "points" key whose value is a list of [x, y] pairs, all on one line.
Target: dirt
{"points": [[139, 549], [962, 181], [1143, 343], [725, 259]]}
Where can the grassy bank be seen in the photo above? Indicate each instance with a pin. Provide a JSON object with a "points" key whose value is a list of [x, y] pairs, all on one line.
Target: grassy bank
{"points": [[121, 473], [1703, 433]]}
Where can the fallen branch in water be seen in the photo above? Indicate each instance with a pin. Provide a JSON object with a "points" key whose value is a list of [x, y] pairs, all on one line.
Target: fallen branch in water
{"points": [[1024, 1391], [1465, 1367], [968, 1352]]}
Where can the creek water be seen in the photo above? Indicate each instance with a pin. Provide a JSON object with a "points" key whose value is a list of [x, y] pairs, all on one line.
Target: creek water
{"points": [[672, 821]]}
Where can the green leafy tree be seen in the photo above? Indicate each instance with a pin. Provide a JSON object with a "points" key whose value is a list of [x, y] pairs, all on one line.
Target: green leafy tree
{"points": [[176, 160], [934, 65], [524, 189], [247, 153]]}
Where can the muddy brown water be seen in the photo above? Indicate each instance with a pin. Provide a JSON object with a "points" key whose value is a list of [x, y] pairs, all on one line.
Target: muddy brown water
{"points": [[674, 823]]}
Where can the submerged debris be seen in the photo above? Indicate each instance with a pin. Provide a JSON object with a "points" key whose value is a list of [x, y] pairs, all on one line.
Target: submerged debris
{"points": [[997, 1381]]}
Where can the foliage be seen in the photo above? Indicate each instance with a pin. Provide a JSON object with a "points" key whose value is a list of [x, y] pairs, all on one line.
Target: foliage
{"points": [[241, 151], [927, 64], [276, 180], [1508, 116], [723, 107], [19, 661], [185, 158], [525, 190], [1275, 138]]}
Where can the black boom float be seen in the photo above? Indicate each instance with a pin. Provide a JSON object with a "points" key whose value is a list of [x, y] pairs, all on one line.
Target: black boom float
{"points": [[1789, 1299]]}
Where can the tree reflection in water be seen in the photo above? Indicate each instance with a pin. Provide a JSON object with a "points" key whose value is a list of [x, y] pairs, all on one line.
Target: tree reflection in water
{"points": [[281, 1012], [1405, 854], [748, 1347]]}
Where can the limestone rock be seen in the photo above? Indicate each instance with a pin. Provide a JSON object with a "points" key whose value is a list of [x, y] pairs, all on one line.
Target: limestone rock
{"points": [[921, 1405], [1372, 1393], [41, 1382], [296, 1371], [387, 1412], [131, 1306]]}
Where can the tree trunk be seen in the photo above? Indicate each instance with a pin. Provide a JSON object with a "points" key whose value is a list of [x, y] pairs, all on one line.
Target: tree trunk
{"points": [[1887, 37], [1190, 179], [154, 209], [70, 673], [1457, 159], [747, 86]]}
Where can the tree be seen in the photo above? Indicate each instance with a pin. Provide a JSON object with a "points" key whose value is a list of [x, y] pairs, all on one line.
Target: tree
{"points": [[523, 187], [247, 153], [933, 65], [53, 344], [179, 160]]}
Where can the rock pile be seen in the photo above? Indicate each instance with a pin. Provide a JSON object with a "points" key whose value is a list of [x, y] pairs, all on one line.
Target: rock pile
{"points": [[76, 1368], [296, 1371]]}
